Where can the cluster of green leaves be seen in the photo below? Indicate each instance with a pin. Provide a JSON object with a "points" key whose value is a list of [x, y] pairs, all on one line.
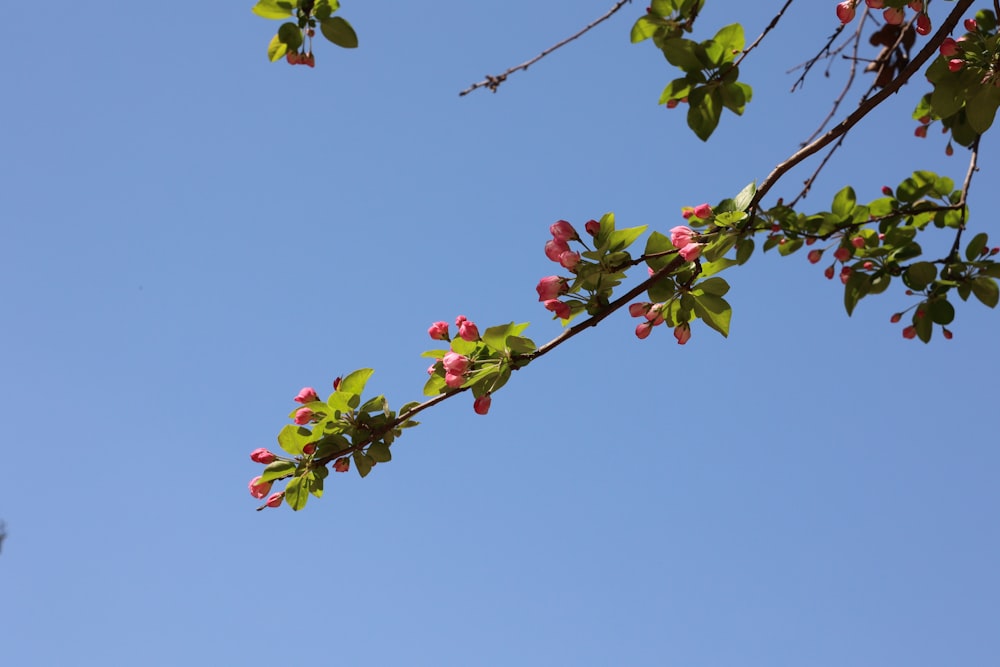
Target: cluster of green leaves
{"points": [[602, 269], [343, 425], [308, 14], [966, 101], [500, 350], [710, 82], [676, 296], [885, 231]]}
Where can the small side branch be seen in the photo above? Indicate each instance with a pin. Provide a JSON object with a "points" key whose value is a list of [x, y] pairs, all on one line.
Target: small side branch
{"points": [[493, 81], [770, 26], [965, 194]]}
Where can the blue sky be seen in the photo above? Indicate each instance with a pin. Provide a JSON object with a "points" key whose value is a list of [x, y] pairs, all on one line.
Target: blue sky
{"points": [[191, 234]]}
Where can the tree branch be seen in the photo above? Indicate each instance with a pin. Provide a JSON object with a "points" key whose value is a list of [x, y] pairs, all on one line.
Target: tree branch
{"points": [[493, 82], [930, 48]]}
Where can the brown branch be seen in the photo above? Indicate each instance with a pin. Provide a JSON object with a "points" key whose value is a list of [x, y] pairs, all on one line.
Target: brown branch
{"points": [[493, 82], [930, 48]]}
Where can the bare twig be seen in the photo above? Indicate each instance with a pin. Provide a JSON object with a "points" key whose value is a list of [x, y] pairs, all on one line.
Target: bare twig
{"points": [[965, 193], [930, 48], [825, 52], [493, 82], [769, 28]]}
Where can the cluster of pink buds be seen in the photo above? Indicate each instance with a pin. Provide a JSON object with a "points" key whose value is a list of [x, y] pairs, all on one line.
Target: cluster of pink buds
{"points": [[892, 15], [467, 330], [296, 58], [558, 249], [653, 313], [549, 289], [259, 488], [683, 239], [458, 366]]}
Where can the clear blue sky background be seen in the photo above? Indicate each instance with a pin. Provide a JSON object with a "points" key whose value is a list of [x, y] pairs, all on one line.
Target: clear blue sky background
{"points": [[190, 234]]}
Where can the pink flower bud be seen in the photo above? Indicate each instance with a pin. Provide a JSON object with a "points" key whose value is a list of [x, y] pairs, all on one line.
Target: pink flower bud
{"points": [[886, 190], [454, 381], [336, 383], [459, 320], [994, 251], [971, 25], [909, 332], [563, 231], [921, 131], [680, 236], [432, 369], [551, 287], [468, 331], [842, 254], [955, 64], [275, 499], [309, 448], [307, 395], [593, 227], [343, 464], [682, 333], [916, 5], [875, 4], [949, 47], [896, 317], [455, 363], [893, 15], [845, 11], [868, 266], [858, 242], [642, 330], [690, 252], [554, 249], [568, 260], [703, 211], [259, 489], [562, 310], [482, 404], [923, 24], [814, 256], [438, 331], [261, 455], [303, 416], [947, 334], [687, 212], [638, 309], [655, 315], [829, 272], [845, 273]]}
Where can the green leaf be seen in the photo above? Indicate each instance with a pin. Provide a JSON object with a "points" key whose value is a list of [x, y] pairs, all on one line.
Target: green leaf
{"points": [[316, 477], [941, 311], [290, 35], [986, 290], [844, 202], [622, 238], [919, 275], [981, 108], [976, 245], [297, 493], [704, 112], [496, 337], [435, 385], [924, 327], [363, 463], [379, 452], [520, 345], [716, 286], [277, 49], [276, 470], [355, 382], [681, 53], [644, 28], [857, 286], [730, 38], [293, 438], [324, 8], [275, 9], [714, 310], [675, 90], [663, 7], [339, 31], [742, 201]]}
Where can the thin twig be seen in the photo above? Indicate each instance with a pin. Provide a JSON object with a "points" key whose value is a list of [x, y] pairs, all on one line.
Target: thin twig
{"points": [[930, 49], [808, 65], [493, 82], [769, 28], [965, 193]]}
